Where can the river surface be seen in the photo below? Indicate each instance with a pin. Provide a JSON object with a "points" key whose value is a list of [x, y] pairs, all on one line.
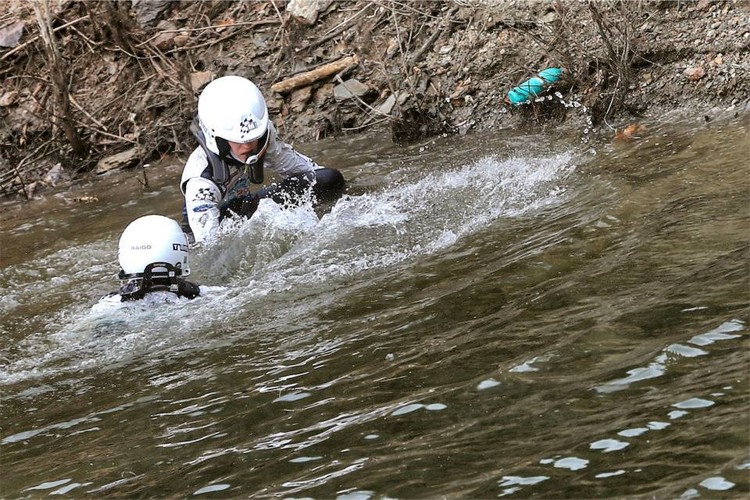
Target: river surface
{"points": [[505, 314]]}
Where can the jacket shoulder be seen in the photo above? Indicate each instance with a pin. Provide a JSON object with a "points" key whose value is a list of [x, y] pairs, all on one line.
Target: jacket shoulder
{"points": [[195, 165]]}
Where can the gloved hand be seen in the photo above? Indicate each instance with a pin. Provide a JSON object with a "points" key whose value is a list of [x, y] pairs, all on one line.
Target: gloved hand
{"points": [[248, 206], [244, 206]]}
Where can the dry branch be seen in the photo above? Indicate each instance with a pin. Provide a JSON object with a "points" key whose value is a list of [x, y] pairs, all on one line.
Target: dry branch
{"points": [[343, 27], [58, 77], [312, 76], [34, 39]]}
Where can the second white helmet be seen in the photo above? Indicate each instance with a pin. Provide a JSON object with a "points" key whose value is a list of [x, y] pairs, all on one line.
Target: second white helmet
{"points": [[231, 108], [149, 240]]}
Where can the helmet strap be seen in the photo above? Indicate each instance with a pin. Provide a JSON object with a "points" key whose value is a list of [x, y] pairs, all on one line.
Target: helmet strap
{"points": [[219, 168], [253, 166], [254, 171], [224, 150], [139, 284]]}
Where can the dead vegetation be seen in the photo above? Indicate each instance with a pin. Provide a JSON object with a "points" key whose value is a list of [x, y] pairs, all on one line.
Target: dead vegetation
{"points": [[95, 85]]}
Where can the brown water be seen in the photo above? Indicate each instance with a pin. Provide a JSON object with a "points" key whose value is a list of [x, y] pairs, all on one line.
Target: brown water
{"points": [[501, 314]]}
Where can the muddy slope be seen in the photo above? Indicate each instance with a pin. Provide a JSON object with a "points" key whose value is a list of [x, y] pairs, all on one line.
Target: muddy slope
{"points": [[92, 86]]}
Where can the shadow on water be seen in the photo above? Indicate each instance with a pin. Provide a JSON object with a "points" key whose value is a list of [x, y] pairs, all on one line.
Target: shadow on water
{"points": [[482, 316]]}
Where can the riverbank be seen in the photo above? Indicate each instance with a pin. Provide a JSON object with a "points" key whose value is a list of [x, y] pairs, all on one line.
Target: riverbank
{"points": [[113, 85]]}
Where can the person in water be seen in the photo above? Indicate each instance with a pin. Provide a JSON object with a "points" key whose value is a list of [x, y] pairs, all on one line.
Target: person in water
{"points": [[237, 140], [153, 256]]}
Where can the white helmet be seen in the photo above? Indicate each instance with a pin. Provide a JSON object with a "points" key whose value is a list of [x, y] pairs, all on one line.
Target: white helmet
{"points": [[154, 245], [231, 108]]}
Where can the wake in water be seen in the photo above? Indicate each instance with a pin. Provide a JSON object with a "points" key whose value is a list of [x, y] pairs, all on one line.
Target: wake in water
{"points": [[383, 229], [278, 251]]}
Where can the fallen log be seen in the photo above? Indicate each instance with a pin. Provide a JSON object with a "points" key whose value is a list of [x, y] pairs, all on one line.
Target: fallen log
{"points": [[312, 76], [124, 159]]}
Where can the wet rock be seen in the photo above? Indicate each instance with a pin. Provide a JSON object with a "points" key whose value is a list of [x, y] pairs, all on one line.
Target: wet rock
{"points": [[695, 73], [29, 190], [148, 11], [274, 104], [8, 98], [165, 39], [350, 89], [550, 17], [387, 106], [299, 99], [307, 11], [199, 79], [10, 35], [181, 39], [54, 175]]}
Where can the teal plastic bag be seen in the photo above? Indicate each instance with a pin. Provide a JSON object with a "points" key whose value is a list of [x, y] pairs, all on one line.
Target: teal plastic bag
{"points": [[523, 93]]}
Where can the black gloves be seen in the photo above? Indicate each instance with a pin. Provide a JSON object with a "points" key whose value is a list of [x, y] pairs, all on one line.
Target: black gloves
{"points": [[244, 206]]}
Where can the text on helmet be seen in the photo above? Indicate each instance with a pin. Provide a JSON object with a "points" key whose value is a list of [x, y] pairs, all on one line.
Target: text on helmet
{"points": [[247, 124]]}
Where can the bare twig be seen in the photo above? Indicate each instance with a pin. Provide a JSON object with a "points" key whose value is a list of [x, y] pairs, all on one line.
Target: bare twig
{"points": [[416, 56], [206, 28], [406, 6], [34, 39], [279, 32], [119, 138], [343, 27], [400, 41], [57, 77], [446, 28], [80, 108], [23, 184], [620, 54], [18, 170], [365, 125], [90, 43], [210, 43]]}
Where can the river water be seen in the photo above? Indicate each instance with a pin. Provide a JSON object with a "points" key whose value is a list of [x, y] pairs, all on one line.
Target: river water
{"points": [[505, 314]]}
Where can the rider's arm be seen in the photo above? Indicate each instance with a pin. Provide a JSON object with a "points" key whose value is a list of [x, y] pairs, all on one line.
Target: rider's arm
{"points": [[202, 196], [283, 159], [202, 199]]}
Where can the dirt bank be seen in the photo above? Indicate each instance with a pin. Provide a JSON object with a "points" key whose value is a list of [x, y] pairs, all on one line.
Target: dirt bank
{"points": [[91, 86]]}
